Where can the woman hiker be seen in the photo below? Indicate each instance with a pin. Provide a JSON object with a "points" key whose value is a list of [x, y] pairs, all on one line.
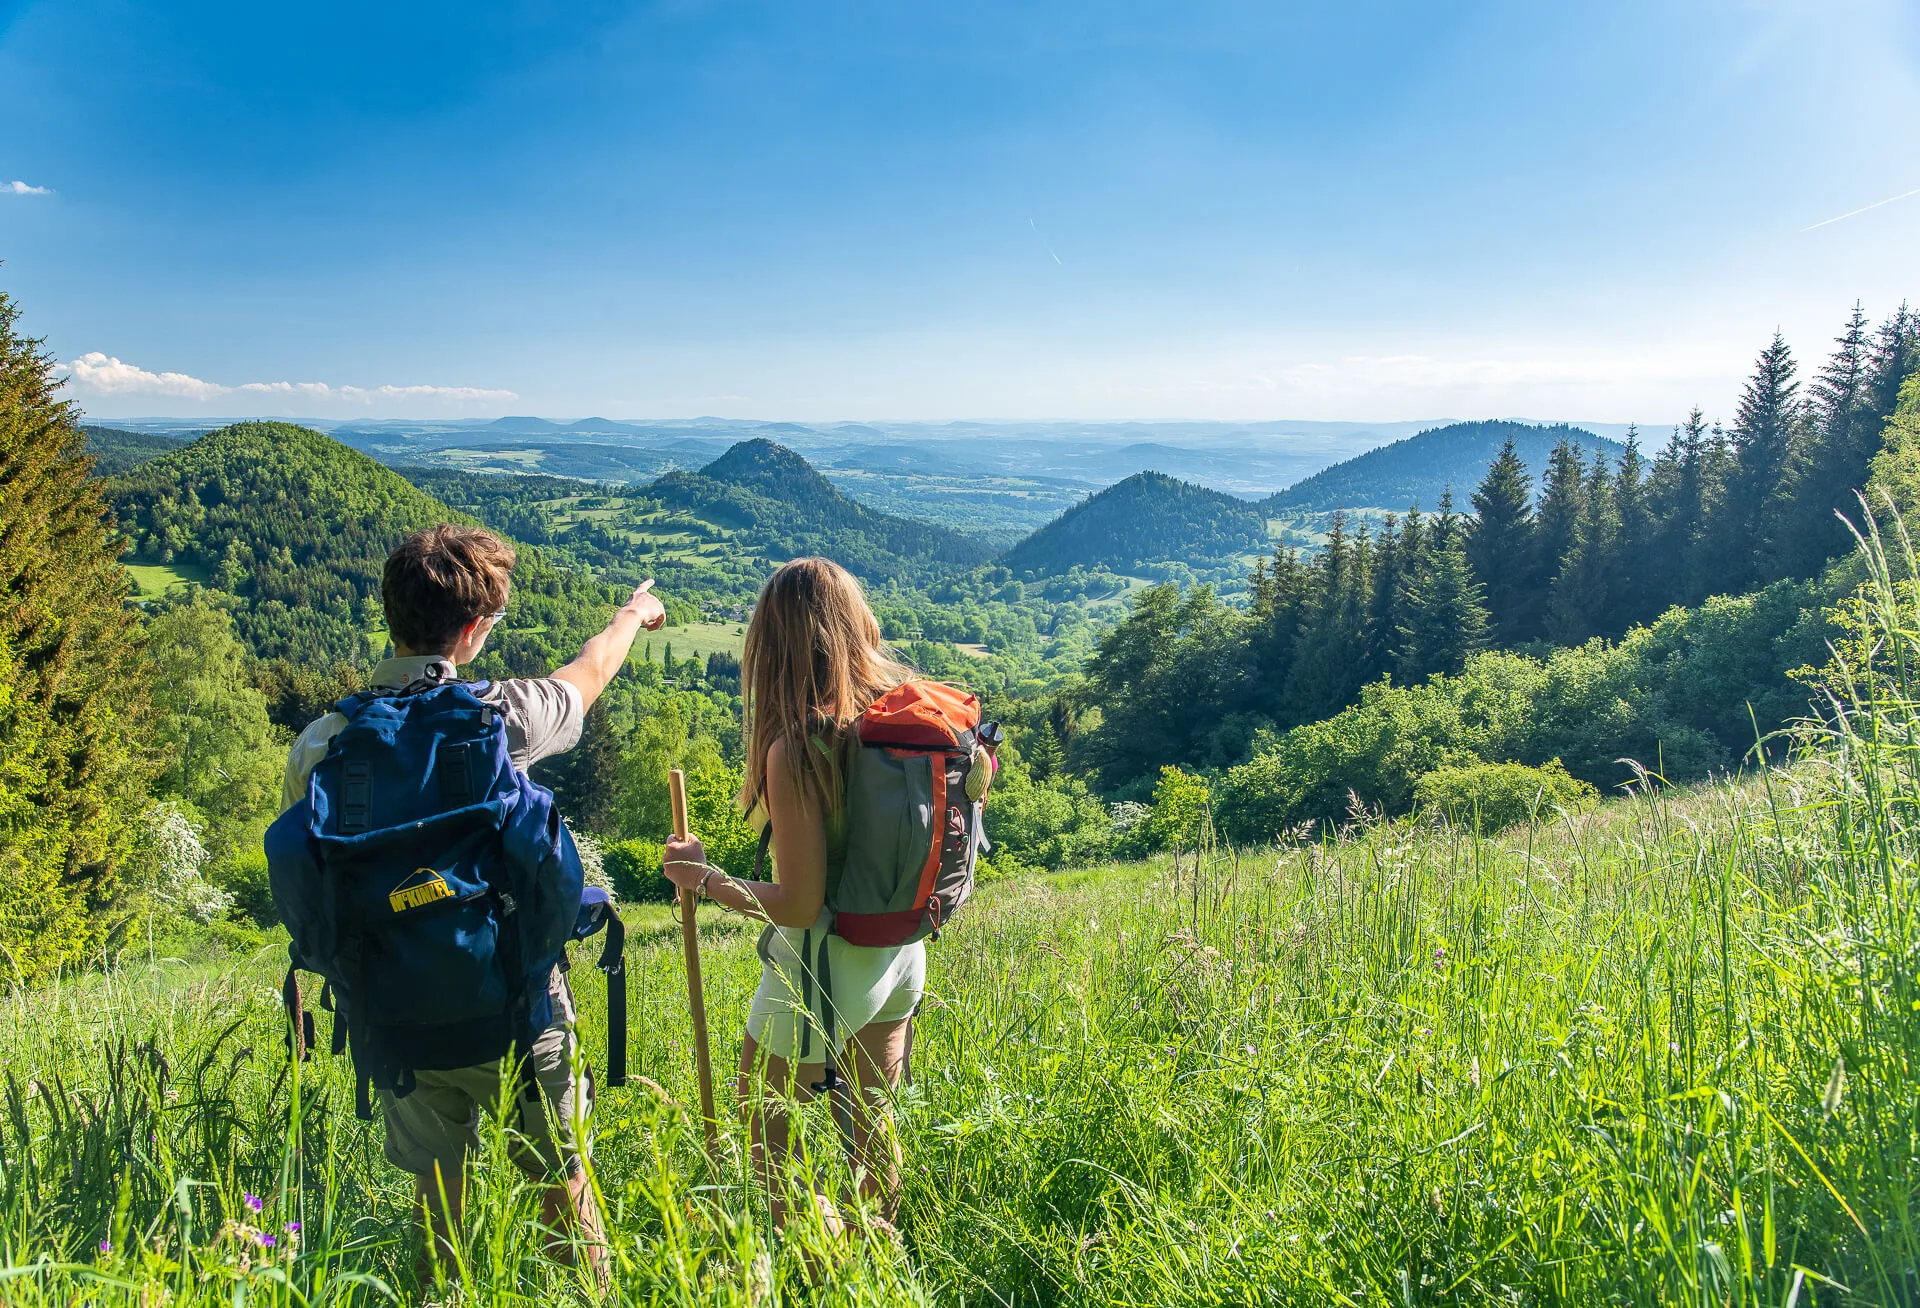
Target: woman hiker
{"points": [[812, 664]]}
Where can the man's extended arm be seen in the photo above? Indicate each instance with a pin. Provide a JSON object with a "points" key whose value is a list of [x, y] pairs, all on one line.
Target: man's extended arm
{"points": [[602, 657]]}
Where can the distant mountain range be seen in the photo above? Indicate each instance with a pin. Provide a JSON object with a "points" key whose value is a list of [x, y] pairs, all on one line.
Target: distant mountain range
{"points": [[1419, 469], [772, 503]]}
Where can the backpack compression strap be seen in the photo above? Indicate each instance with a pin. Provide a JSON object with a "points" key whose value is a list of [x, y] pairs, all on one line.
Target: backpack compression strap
{"points": [[597, 911]]}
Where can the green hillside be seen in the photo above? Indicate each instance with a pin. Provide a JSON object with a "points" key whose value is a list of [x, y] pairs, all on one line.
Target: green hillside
{"points": [[1149, 517], [115, 450], [1419, 469], [781, 507], [295, 527]]}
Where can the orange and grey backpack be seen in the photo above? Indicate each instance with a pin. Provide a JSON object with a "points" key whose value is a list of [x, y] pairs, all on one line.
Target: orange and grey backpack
{"points": [[914, 831]]}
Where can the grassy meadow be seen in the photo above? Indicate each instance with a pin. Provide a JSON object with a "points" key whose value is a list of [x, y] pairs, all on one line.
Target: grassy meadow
{"points": [[1660, 1053]]}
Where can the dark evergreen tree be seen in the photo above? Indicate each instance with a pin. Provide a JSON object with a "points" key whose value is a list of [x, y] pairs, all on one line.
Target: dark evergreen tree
{"points": [[1329, 662], [1562, 487], [73, 682], [1767, 434], [1896, 357], [1719, 555], [1385, 599], [586, 779], [1677, 490], [1278, 601], [1586, 594], [1846, 434], [1446, 620], [1503, 546], [1633, 561]]}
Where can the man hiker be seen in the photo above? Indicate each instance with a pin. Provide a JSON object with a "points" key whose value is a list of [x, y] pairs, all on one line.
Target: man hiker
{"points": [[445, 589]]}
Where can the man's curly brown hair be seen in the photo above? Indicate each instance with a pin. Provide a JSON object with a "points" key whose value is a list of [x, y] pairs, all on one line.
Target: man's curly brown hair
{"points": [[439, 580]]}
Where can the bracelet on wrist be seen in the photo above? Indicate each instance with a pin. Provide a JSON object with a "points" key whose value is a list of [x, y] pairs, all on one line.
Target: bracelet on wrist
{"points": [[711, 873]]}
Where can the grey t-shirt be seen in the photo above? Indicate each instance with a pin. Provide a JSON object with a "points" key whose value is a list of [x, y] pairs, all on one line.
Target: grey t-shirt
{"points": [[543, 716]]}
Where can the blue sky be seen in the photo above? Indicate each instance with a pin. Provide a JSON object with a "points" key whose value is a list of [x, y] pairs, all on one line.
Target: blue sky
{"points": [[896, 210]]}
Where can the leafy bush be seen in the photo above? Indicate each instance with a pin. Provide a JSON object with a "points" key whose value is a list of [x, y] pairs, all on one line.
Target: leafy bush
{"points": [[1046, 824], [1494, 796], [633, 867], [244, 879], [1182, 811]]}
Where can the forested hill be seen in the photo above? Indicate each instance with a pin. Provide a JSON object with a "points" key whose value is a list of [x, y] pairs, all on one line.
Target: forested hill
{"points": [[785, 508], [296, 527], [1149, 517], [115, 451], [1420, 468]]}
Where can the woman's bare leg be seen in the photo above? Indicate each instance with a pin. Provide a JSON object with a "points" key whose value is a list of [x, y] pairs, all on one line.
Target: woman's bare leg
{"points": [[879, 1059], [768, 1123]]}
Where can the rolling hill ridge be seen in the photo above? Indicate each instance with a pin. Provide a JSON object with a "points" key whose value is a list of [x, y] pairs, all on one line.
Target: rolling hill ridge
{"points": [[1418, 469], [784, 508], [1147, 518]]}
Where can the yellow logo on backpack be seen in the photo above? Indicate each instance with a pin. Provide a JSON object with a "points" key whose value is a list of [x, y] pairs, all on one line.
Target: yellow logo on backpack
{"points": [[423, 887]]}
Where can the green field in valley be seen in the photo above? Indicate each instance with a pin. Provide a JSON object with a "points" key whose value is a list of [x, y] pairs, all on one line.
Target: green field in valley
{"points": [[151, 580], [695, 639]]}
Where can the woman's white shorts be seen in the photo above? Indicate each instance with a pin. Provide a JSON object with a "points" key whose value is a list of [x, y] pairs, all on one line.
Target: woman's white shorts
{"points": [[869, 985]]}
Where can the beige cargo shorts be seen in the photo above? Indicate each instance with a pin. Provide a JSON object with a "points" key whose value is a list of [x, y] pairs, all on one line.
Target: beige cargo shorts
{"points": [[439, 1121]]}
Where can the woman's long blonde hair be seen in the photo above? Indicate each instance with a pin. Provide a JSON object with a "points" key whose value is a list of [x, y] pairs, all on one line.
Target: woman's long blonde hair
{"points": [[814, 661]]}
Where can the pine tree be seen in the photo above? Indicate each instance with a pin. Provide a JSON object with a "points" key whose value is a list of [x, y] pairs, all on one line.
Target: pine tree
{"points": [[1767, 435], [1720, 557], [1633, 554], [1329, 661], [1845, 437], [1586, 593], [1503, 546], [1384, 598], [1896, 357], [73, 683], [585, 780], [1274, 615], [1446, 620], [1562, 487], [1677, 490]]}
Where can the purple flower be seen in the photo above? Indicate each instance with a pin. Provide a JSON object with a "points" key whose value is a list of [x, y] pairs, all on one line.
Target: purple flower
{"points": [[106, 1246], [292, 1228], [266, 1241], [253, 1202]]}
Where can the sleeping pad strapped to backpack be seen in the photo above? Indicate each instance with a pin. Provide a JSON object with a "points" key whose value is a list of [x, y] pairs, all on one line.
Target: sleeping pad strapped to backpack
{"points": [[434, 887]]}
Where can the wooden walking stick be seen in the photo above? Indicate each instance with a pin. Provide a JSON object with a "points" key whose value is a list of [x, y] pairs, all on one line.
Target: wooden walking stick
{"points": [[696, 995]]}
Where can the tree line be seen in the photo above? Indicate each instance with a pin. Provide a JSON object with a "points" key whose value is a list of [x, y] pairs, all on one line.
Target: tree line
{"points": [[1593, 548]]}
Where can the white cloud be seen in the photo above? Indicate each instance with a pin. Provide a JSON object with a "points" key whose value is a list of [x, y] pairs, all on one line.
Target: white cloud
{"points": [[97, 372], [21, 188], [105, 375]]}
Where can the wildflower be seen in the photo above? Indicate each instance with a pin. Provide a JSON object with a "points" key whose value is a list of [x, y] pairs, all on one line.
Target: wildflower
{"points": [[292, 1228], [106, 1246], [266, 1241], [253, 1202]]}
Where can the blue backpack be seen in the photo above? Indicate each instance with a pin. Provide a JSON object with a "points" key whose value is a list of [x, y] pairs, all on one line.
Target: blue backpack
{"points": [[434, 887]]}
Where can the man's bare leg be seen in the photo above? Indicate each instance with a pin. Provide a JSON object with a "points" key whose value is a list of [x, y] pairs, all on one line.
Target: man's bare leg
{"points": [[439, 1222], [571, 1207]]}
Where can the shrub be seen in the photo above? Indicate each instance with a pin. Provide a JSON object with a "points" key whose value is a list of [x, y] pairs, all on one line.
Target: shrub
{"points": [[1045, 824], [1182, 811], [633, 866], [1494, 796], [244, 877]]}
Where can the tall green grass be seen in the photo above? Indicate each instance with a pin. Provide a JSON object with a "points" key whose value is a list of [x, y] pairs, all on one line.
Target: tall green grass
{"points": [[1664, 1053]]}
